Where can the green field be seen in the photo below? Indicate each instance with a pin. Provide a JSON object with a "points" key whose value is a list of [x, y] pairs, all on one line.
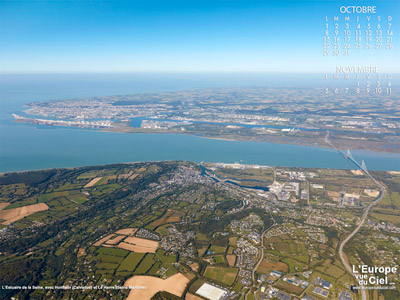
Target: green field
{"points": [[50, 196], [391, 198], [219, 259], [165, 259], [217, 249], [145, 265], [250, 296], [109, 258], [20, 203], [107, 266], [59, 249], [226, 276], [154, 269], [78, 199], [131, 261], [386, 218], [112, 251]]}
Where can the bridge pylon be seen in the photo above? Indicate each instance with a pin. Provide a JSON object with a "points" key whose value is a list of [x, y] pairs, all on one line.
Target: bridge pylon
{"points": [[348, 155], [363, 166]]}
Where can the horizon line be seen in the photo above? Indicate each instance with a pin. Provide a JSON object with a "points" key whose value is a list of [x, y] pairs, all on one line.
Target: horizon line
{"points": [[172, 72]]}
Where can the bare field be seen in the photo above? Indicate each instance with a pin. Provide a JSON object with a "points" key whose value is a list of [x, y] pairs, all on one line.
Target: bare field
{"points": [[103, 240], [169, 217], [115, 240], [133, 176], [14, 214], [4, 204], [138, 245], [190, 296], [163, 219], [357, 172], [279, 266], [231, 258], [92, 182], [81, 252], [127, 231], [125, 176], [194, 266], [174, 218], [175, 284], [123, 239], [333, 194], [371, 193]]}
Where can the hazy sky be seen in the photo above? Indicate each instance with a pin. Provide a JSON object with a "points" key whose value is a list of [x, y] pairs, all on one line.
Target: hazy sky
{"points": [[178, 36]]}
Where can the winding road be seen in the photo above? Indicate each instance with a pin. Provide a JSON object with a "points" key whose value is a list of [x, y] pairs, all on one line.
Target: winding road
{"points": [[262, 254], [344, 262], [363, 218]]}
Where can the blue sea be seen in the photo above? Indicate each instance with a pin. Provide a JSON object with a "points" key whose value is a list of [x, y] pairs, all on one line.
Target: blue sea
{"points": [[28, 147]]}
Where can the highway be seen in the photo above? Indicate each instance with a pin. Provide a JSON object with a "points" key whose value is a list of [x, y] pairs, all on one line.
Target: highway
{"points": [[262, 254], [364, 216], [262, 249]]}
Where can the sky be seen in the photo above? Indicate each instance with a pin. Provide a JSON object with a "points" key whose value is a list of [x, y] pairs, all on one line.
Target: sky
{"points": [[179, 36]]}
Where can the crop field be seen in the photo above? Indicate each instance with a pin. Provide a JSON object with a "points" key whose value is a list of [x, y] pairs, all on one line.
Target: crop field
{"points": [[264, 174], [130, 262], [106, 266], [109, 258], [164, 219], [93, 182], [190, 296], [15, 214], [103, 240], [167, 260], [115, 240], [294, 265], [392, 218], [231, 258], [145, 265], [154, 269], [233, 241], [3, 205], [139, 245], [175, 285], [127, 231], [219, 259], [267, 266], [162, 230], [225, 275], [20, 203], [51, 196], [331, 270], [289, 287], [88, 235], [123, 239], [112, 251], [217, 249]]}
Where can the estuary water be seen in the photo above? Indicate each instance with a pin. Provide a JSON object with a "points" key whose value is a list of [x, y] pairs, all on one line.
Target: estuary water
{"points": [[27, 147]]}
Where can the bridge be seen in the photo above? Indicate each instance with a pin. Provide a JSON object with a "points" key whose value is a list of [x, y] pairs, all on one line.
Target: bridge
{"points": [[362, 167], [382, 194]]}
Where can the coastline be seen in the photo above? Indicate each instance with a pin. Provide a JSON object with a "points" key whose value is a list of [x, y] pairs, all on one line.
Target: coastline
{"points": [[275, 139]]}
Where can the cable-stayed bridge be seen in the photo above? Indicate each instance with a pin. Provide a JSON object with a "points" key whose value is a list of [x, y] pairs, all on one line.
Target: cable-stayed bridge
{"points": [[350, 157], [362, 167], [382, 194]]}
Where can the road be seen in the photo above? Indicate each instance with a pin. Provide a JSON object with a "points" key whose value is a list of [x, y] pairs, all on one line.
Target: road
{"points": [[262, 250], [363, 218], [262, 254]]}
